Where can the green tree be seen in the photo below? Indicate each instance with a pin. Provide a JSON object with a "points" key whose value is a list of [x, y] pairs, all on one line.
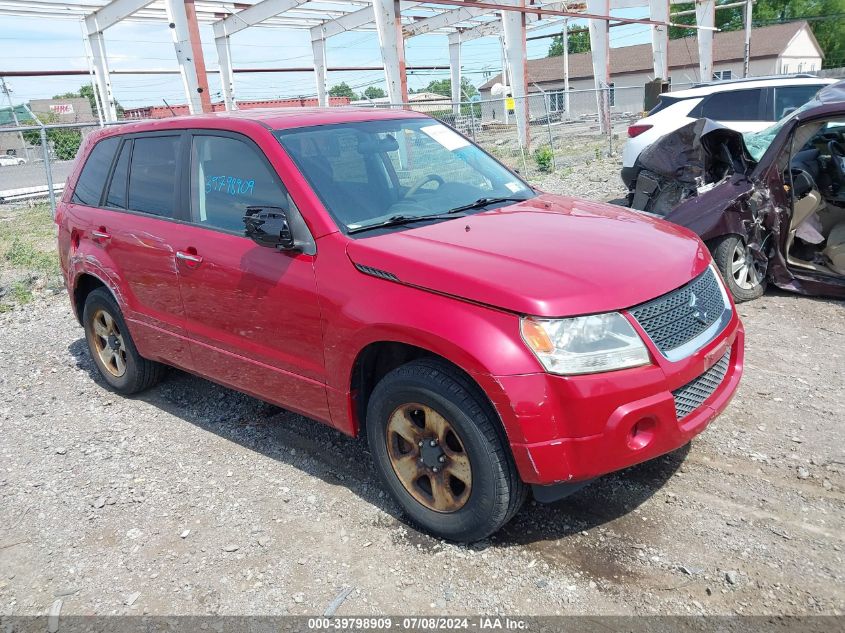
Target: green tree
{"points": [[343, 90], [824, 16], [64, 141], [86, 91], [579, 41], [444, 87], [374, 93]]}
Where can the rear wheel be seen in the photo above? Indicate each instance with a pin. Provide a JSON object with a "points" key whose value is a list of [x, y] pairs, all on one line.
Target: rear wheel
{"points": [[113, 349], [744, 276], [436, 445]]}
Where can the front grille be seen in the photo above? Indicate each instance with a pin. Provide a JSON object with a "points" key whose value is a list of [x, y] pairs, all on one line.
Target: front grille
{"points": [[689, 397], [679, 316]]}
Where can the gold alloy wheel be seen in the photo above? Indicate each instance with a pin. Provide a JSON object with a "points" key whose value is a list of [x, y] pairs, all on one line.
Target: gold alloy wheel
{"points": [[108, 343], [429, 458]]}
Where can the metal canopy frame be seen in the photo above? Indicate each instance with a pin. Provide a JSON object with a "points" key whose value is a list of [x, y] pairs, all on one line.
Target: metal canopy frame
{"points": [[392, 20]]}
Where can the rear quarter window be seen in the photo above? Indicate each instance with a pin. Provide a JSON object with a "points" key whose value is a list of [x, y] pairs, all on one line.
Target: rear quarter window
{"points": [[92, 179], [734, 105], [663, 103]]}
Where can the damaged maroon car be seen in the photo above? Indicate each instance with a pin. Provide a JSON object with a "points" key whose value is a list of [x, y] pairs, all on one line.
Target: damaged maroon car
{"points": [[770, 205]]}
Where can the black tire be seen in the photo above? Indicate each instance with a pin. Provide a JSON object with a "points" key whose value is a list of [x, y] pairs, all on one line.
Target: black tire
{"points": [[138, 373], [496, 492], [724, 250]]}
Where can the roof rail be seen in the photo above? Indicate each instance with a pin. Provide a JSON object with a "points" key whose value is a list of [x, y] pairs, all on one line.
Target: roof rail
{"points": [[721, 82]]}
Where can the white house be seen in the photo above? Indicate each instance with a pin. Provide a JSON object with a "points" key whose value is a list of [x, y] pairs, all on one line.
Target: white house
{"points": [[777, 49]]}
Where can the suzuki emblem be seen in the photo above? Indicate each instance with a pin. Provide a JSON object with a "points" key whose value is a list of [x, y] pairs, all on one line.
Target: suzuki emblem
{"points": [[698, 315]]}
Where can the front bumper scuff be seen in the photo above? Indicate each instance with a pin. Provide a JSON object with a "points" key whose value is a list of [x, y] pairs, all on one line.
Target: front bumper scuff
{"points": [[578, 428]]}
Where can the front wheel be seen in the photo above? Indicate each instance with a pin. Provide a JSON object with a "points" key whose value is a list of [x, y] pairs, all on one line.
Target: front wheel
{"points": [[744, 276], [437, 447]]}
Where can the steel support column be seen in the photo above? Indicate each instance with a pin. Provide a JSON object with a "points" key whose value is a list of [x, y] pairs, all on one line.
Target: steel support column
{"points": [[455, 73], [392, 44], [227, 80], [746, 14], [600, 48], [659, 11], [566, 67], [705, 15], [515, 53], [320, 73], [180, 16], [101, 75]]}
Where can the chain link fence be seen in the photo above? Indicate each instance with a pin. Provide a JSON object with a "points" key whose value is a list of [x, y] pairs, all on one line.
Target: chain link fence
{"points": [[563, 129], [35, 160]]}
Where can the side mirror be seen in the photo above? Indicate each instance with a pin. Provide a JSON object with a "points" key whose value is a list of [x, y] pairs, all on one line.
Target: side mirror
{"points": [[268, 226]]}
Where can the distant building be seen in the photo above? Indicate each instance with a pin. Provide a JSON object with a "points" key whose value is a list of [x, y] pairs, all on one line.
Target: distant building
{"points": [[421, 102], [70, 110], [165, 112], [777, 49], [11, 142]]}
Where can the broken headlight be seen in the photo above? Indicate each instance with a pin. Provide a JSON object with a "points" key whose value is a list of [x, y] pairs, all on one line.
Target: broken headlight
{"points": [[584, 345]]}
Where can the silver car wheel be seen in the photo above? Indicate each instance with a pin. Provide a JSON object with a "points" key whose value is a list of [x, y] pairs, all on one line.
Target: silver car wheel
{"points": [[744, 268]]}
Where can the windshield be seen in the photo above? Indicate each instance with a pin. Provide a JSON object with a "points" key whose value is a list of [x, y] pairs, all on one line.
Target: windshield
{"points": [[758, 142], [371, 172]]}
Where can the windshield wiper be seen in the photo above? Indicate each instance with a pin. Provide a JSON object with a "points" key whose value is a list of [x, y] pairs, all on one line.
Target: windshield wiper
{"points": [[483, 202], [399, 220]]}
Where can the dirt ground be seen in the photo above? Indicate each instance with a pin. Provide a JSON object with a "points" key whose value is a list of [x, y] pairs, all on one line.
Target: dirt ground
{"points": [[193, 499]]}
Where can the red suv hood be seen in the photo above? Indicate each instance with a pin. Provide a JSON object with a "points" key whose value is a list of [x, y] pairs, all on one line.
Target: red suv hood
{"points": [[548, 256]]}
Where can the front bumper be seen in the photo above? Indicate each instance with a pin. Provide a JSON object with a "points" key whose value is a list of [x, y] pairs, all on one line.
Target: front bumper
{"points": [[574, 428]]}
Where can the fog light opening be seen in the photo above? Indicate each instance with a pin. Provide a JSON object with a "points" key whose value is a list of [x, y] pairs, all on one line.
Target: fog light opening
{"points": [[641, 434]]}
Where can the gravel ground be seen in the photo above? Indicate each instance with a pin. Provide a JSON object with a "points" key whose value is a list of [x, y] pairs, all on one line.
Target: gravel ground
{"points": [[193, 499]]}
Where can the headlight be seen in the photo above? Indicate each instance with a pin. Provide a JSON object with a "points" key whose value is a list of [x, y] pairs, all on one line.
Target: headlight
{"points": [[584, 345]]}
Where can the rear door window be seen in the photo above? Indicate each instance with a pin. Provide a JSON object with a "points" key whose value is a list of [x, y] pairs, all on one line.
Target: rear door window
{"points": [[153, 175], [227, 176], [92, 179], [734, 105]]}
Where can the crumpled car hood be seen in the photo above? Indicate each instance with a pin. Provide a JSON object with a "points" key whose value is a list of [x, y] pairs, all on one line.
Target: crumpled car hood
{"points": [[548, 256], [687, 154]]}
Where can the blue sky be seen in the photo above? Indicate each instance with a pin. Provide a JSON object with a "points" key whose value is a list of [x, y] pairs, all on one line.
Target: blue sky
{"points": [[29, 44]]}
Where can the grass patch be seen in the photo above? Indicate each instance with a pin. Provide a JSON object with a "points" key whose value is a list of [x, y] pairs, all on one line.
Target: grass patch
{"points": [[28, 256], [21, 292]]}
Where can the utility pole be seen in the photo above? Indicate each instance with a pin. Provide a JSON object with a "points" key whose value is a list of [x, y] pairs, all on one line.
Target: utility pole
{"points": [[747, 15], [8, 94]]}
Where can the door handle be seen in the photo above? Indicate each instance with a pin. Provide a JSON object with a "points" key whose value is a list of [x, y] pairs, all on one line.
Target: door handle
{"points": [[191, 260], [101, 234]]}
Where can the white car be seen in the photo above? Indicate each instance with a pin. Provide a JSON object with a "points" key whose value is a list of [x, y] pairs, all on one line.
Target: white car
{"points": [[8, 159], [745, 105]]}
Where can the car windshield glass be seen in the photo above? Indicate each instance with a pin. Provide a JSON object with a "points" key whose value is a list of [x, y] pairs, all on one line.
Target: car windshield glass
{"points": [[373, 172], [758, 142]]}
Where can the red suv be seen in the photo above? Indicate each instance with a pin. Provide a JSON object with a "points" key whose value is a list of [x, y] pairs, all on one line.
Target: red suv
{"points": [[378, 272]]}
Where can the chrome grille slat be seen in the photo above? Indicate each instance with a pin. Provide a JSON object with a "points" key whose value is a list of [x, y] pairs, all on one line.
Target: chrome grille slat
{"points": [[689, 397], [670, 320]]}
